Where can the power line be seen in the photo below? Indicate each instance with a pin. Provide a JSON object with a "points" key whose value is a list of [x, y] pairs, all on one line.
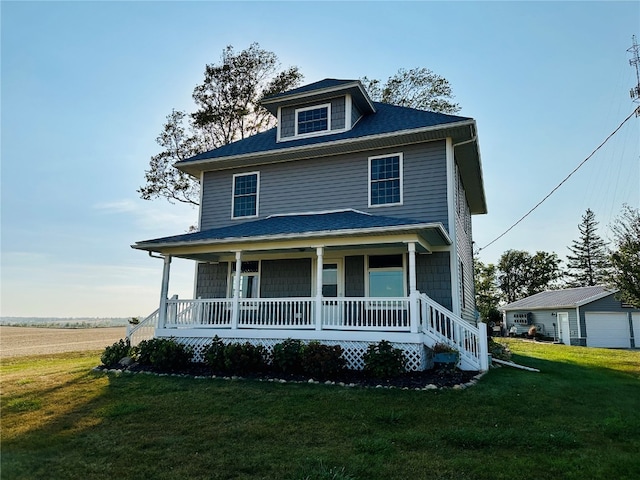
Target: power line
{"points": [[636, 111]]}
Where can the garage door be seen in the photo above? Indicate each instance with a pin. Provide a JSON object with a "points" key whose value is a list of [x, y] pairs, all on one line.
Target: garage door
{"points": [[608, 330]]}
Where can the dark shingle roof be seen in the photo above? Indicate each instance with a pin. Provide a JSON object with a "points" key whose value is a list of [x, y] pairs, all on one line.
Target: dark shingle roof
{"points": [[321, 85], [569, 297], [387, 119], [289, 225]]}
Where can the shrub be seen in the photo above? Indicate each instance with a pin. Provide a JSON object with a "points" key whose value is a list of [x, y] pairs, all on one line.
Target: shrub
{"points": [[382, 360], [164, 354], [443, 348], [499, 350], [214, 354], [243, 358], [116, 352], [322, 361], [287, 356]]}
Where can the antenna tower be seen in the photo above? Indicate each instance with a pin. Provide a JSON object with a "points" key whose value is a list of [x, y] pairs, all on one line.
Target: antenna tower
{"points": [[635, 62]]}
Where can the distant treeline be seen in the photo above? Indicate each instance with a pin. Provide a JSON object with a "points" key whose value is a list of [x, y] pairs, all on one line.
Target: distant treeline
{"points": [[71, 322]]}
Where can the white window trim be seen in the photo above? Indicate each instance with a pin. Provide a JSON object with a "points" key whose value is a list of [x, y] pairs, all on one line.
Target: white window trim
{"points": [[230, 273], [401, 168], [233, 194], [389, 269], [318, 132]]}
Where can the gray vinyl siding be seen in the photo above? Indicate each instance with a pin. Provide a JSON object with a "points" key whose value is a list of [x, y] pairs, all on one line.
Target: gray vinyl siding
{"points": [[355, 114], [465, 252], [285, 278], [338, 114], [546, 322], [354, 276], [434, 277], [334, 183], [287, 122], [211, 280]]}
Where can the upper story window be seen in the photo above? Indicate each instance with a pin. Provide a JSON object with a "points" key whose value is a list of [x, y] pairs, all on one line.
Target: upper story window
{"points": [[245, 195], [385, 180], [314, 119]]}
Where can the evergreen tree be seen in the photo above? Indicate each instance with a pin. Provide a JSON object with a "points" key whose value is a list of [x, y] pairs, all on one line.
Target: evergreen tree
{"points": [[625, 260], [587, 266]]}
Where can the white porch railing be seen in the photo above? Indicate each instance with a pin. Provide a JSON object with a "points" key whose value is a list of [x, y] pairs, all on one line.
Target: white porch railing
{"points": [[386, 314], [144, 330], [212, 313], [342, 313], [276, 313], [444, 326]]}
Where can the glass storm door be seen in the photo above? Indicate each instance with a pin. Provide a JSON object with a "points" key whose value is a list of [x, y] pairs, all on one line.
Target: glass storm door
{"points": [[332, 288]]}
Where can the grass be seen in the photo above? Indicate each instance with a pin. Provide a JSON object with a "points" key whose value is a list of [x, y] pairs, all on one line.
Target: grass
{"points": [[579, 418]]}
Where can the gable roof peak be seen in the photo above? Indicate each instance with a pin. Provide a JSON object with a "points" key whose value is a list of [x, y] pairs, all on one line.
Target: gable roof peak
{"points": [[319, 91]]}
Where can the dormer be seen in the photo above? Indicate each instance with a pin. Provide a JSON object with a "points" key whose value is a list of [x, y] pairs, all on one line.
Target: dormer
{"points": [[321, 108]]}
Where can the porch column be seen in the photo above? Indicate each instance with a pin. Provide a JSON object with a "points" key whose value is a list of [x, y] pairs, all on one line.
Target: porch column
{"points": [[320, 254], [236, 291], [164, 292], [414, 317]]}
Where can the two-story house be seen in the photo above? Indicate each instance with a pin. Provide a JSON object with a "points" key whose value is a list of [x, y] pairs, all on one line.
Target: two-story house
{"points": [[348, 223]]}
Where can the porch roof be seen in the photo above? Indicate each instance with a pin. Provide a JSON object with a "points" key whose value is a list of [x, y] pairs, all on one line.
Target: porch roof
{"points": [[300, 230]]}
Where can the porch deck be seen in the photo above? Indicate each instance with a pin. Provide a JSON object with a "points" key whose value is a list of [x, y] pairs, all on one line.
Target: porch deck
{"points": [[412, 320]]}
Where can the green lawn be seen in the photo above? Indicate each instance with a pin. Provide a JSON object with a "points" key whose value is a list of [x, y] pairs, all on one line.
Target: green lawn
{"points": [[577, 419]]}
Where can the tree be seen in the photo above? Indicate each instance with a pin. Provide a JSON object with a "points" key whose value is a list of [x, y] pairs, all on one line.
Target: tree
{"points": [[416, 88], [522, 274], [588, 264], [487, 293], [227, 109], [625, 259]]}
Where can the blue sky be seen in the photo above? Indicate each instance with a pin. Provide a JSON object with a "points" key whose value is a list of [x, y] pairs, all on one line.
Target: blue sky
{"points": [[86, 87]]}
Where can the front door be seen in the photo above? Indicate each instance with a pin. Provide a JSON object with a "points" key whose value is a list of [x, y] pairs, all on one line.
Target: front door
{"points": [[563, 325], [332, 287]]}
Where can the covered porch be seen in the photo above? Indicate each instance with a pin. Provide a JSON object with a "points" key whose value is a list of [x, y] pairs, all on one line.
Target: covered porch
{"points": [[301, 285]]}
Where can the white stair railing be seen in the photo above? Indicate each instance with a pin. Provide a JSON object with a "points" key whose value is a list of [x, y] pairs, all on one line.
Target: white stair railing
{"points": [[144, 330], [442, 325]]}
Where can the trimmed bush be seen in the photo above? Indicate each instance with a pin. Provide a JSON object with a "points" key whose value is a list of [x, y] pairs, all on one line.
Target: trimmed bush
{"points": [[382, 360], [243, 358], [214, 354], [165, 354], [322, 361], [116, 352], [287, 356], [499, 350]]}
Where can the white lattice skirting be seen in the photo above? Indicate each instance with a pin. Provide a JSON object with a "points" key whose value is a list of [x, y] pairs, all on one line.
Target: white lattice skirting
{"points": [[353, 351]]}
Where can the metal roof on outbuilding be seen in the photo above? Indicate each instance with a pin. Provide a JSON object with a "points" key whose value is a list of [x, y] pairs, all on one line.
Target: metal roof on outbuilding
{"points": [[568, 297]]}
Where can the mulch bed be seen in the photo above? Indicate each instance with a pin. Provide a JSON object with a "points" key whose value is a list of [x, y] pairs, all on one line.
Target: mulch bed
{"points": [[439, 377]]}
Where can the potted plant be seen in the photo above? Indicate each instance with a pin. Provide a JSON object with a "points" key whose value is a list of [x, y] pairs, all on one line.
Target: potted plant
{"points": [[445, 354]]}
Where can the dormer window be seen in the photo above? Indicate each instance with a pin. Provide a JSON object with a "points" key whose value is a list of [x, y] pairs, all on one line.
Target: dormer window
{"points": [[313, 120]]}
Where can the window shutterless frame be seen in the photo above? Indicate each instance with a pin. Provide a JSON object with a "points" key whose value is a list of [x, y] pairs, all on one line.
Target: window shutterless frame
{"points": [[314, 120], [245, 195], [396, 266], [385, 180]]}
